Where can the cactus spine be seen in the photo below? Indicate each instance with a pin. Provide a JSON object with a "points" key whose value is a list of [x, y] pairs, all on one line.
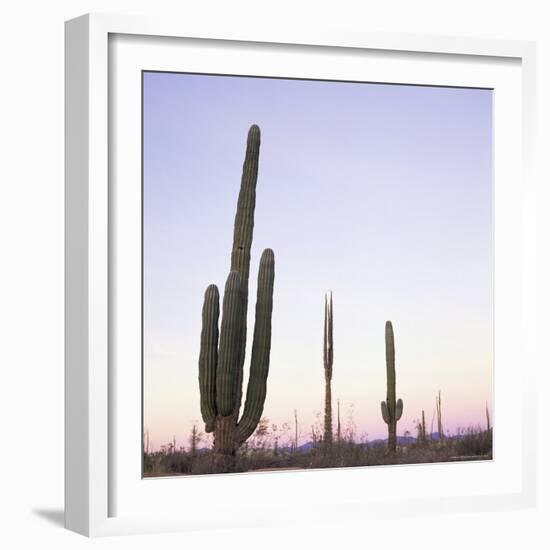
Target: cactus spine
{"points": [[221, 358], [328, 357], [391, 409]]}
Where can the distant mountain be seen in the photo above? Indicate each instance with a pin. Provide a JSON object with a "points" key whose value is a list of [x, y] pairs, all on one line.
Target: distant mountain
{"points": [[401, 440]]}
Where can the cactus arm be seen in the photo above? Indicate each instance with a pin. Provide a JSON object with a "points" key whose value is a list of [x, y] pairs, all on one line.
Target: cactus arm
{"points": [[230, 345], [208, 357], [398, 409], [242, 237], [261, 346], [385, 412], [244, 217]]}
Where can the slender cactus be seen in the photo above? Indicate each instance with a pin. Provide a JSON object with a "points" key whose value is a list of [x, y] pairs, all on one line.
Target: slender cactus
{"points": [[424, 427], [193, 441], [421, 428], [328, 358], [391, 409], [295, 430], [440, 431], [222, 352], [147, 442], [338, 425], [487, 416]]}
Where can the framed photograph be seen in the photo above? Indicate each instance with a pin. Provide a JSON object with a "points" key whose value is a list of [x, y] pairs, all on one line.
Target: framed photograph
{"points": [[299, 276]]}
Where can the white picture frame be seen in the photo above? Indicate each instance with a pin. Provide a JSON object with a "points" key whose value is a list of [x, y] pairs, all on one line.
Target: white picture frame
{"points": [[98, 499]]}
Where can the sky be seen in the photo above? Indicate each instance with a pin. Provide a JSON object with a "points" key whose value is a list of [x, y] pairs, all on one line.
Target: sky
{"points": [[380, 193]]}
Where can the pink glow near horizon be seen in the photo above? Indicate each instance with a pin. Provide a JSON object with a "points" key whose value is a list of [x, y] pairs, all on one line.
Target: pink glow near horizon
{"points": [[381, 193]]}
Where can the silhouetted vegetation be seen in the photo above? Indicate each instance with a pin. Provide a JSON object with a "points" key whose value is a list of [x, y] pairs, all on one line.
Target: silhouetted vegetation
{"points": [[273, 448]]}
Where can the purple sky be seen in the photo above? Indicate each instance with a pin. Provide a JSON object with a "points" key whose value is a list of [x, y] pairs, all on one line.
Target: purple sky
{"points": [[381, 193]]}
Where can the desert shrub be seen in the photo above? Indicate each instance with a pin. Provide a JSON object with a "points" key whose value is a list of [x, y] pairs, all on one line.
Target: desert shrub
{"points": [[264, 452], [475, 443], [177, 463]]}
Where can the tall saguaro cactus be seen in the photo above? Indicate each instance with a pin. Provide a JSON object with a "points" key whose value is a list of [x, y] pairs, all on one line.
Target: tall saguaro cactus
{"points": [[391, 409], [222, 352], [328, 357]]}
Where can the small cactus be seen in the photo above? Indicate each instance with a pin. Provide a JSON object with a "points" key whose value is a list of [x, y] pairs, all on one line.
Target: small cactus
{"points": [[421, 429], [440, 431], [391, 409], [328, 358], [338, 424]]}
